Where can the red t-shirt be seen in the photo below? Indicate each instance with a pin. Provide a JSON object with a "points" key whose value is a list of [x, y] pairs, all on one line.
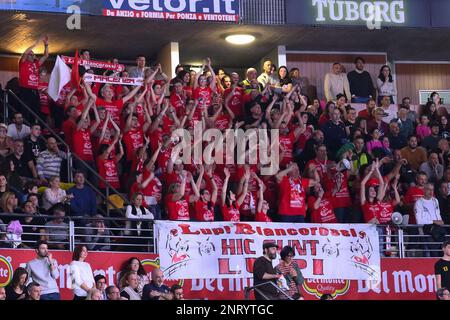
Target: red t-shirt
{"points": [[133, 139], [154, 188], [293, 196], [203, 94], [303, 138], [107, 169], [43, 97], [231, 214], [342, 197], [385, 212], [29, 74], [178, 210], [262, 217], [222, 122], [319, 165], [69, 127], [82, 144], [236, 103], [288, 143], [371, 210], [178, 103], [204, 211], [114, 107], [323, 214], [412, 195]]}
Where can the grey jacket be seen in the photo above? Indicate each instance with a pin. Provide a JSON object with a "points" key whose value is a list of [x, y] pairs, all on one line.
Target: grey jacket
{"points": [[39, 271]]}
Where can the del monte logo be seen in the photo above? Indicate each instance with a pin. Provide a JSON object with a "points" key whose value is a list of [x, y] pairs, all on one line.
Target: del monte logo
{"points": [[318, 288], [6, 271]]}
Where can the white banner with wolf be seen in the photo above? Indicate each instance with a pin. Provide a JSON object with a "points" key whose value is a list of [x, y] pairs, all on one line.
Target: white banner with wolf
{"points": [[196, 250]]}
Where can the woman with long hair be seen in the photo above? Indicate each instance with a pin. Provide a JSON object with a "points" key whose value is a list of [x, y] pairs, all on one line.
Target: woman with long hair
{"points": [[326, 115], [138, 216], [5, 148], [8, 203], [81, 273], [291, 272], [134, 265], [386, 84], [231, 204], [54, 194], [430, 110], [16, 289], [129, 285], [284, 81]]}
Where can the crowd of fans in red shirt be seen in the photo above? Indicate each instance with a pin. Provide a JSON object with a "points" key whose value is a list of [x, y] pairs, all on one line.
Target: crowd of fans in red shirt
{"points": [[337, 165]]}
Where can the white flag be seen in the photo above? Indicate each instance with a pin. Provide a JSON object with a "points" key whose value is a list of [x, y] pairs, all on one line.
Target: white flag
{"points": [[59, 78]]}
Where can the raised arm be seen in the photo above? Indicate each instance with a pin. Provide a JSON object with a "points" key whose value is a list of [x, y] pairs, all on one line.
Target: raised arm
{"points": [[129, 118], [260, 196], [121, 151], [154, 155], [45, 56], [362, 191], [381, 189], [89, 92], [180, 194], [131, 94], [196, 194], [281, 174], [105, 126], [225, 185], [241, 198], [212, 85], [84, 115], [200, 177], [69, 96], [96, 123]]}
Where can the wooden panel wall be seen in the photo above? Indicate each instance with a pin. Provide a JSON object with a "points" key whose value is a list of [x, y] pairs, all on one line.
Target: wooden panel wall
{"points": [[314, 67], [414, 77]]}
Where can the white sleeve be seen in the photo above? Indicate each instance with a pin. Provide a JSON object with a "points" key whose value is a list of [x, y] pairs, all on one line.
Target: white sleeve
{"points": [[75, 275], [147, 214], [438, 210], [418, 212], [128, 213]]}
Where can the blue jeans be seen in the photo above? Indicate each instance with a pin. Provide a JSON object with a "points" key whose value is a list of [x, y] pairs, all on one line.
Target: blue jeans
{"points": [[342, 214], [292, 219], [156, 210], [360, 99], [51, 296]]}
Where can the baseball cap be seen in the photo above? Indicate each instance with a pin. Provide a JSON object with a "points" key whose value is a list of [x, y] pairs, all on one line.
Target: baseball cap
{"points": [[268, 245], [373, 182], [2, 125]]}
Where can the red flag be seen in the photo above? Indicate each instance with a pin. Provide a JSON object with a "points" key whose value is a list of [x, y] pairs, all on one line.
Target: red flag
{"points": [[75, 72]]}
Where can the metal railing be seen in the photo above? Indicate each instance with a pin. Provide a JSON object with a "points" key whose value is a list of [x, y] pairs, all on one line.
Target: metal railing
{"points": [[257, 288], [70, 156], [117, 235]]}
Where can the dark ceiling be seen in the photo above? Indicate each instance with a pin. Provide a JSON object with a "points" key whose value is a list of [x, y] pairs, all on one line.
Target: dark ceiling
{"points": [[125, 38]]}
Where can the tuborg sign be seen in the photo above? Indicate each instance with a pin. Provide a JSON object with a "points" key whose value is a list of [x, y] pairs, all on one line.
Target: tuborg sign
{"points": [[393, 13]]}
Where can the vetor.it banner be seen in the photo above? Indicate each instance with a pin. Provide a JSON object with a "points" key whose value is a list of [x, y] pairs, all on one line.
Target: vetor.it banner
{"points": [[228, 250], [199, 10], [402, 279]]}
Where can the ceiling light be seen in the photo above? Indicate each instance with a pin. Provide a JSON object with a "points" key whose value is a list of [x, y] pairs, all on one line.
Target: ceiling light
{"points": [[240, 39]]}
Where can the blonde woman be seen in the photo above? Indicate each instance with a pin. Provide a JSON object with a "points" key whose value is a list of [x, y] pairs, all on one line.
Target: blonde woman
{"points": [[54, 194]]}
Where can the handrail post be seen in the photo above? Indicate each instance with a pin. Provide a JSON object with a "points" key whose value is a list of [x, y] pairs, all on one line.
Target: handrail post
{"points": [[107, 201], [69, 167], [71, 235], [401, 246]]}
